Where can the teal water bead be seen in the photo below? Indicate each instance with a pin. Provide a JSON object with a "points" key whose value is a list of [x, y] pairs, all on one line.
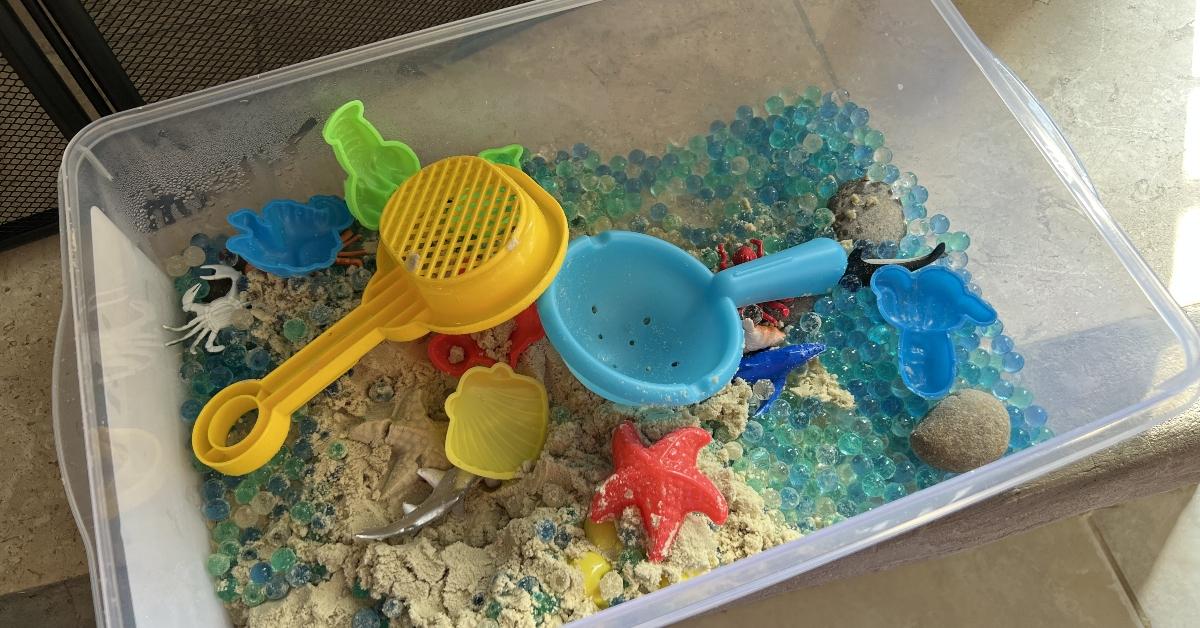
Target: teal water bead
{"points": [[987, 377], [872, 484], [789, 498], [295, 329], [253, 595], [759, 458], [850, 444], [775, 105], [779, 139], [217, 564], [927, 477], [893, 491], [283, 559], [1002, 389], [822, 218]]}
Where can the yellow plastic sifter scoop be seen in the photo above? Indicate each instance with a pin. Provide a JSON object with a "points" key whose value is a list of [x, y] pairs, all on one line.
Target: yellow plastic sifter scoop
{"points": [[467, 245]]}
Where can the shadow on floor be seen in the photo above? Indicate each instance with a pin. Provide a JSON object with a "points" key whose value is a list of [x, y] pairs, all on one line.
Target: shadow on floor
{"points": [[66, 603]]}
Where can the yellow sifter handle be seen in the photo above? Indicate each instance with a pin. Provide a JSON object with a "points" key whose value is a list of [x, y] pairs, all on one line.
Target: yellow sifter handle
{"points": [[391, 309]]}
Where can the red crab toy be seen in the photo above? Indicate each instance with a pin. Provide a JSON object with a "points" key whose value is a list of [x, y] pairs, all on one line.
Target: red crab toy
{"points": [[769, 313]]}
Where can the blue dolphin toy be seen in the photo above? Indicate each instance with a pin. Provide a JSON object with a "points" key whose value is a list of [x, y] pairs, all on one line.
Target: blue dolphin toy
{"points": [[774, 365], [925, 306]]}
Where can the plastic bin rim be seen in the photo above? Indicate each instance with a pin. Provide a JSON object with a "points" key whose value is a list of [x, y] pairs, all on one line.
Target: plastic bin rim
{"points": [[771, 566]]}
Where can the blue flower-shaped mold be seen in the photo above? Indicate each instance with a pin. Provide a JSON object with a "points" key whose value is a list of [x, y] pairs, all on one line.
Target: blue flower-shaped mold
{"points": [[925, 306], [291, 238]]}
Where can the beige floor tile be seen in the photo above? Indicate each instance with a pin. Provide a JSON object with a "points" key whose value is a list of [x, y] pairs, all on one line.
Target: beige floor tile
{"points": [[1057, 575], [1155, 542], [38, 540]]}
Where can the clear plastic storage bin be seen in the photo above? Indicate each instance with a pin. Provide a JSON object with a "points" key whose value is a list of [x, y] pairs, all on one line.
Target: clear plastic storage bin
{"points": [[1108, 353]]}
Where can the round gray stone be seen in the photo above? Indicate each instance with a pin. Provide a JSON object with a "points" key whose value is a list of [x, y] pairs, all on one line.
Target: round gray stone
{"points": [[866, 210], [964, 431]]}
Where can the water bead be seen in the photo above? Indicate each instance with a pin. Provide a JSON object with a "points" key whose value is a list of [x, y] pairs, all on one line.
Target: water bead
{"points": [[277, 588], [1002, 389], [873, 139], [299, 575], [245, 491], [394, 607], [1020, 397], [227, 589], [216, 509], [637, 156], [1035, 416], [257, 359], [193, 256], [336, 450], [753, 433], [1002, 344], [261, 572], [1013, 362], [957, 241], [176, 266], [302, 512], [812, 143]]}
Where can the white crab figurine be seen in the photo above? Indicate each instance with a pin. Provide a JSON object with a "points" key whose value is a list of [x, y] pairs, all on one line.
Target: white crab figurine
{"points": [[210, 317]]}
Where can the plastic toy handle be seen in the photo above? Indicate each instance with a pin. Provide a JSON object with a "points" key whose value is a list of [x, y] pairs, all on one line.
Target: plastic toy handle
{"points": [[810, 268], [439, 354], [529, 330], [391, 310]]}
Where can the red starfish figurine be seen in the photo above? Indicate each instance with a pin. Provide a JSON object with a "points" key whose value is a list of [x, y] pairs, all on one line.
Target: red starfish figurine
{"points": [[662, 481]]}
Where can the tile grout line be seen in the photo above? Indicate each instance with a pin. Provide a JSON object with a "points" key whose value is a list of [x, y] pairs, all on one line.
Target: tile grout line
{"points": [[1126, 588]]}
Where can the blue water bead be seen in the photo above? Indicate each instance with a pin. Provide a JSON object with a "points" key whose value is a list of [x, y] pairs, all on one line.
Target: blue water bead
{"points": [[190, 409], [528, 583], [303, 450], [299, 575], [768, 194], [220, 377], [637, 156], [261, 572], [1002, 389], [257, 359], [885, 467], [1035, 416], [919, 194], [834, 339], [213, 489], [369, 617], [1002, 344], [1019, 439], [789, 498], [216, 509], [927, 477], [850, 444], [580, 150], [861, 464], [860, 117], [759, 458], [277, 588], [753, 433], [1013, 361], [658, 211]]}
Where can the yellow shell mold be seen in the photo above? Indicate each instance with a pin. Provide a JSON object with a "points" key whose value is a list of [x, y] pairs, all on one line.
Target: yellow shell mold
{"points": [[498, 420]]}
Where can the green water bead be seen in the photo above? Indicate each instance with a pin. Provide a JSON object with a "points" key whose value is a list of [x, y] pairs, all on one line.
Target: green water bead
{"points": [[811, 95], [980, 358], [336, 450], [293, 468], [295, 329], [230, 548], [812, 143], [606, 184], [283, 559], [217, 564], [957, 241], [873, 139], [1020, 397], [226, 531], [253, 595], [245, 491], [302, 512], [672, 222], [227, 589], [822, 218], [775, 105]]}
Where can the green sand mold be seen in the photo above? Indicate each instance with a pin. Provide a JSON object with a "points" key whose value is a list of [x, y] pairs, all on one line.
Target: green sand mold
{"points": [[508, 155], [374, 167]]}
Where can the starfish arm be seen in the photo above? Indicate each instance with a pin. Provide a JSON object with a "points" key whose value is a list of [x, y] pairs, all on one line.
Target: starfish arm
{"points": [[611, 499], [680, 448], [697, 493], [627, 447]]}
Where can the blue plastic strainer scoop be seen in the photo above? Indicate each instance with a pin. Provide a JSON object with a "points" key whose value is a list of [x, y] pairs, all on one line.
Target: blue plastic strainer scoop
{"points": [[641, 322]]}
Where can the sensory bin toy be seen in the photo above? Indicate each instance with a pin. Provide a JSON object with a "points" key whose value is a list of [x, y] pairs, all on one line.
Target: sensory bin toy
{"points": [[659, 328], [486, 475]]}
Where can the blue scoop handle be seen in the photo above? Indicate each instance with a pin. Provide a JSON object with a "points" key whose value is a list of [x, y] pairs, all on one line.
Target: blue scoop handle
{"points": [[814, 267]]}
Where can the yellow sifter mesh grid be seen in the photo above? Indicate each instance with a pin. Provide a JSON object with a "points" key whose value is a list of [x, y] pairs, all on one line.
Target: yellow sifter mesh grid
{"points": [[454, 216]]}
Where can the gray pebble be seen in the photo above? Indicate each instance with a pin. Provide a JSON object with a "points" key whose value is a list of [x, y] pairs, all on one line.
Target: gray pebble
{"points": [[964, 431], [866, 210]]}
